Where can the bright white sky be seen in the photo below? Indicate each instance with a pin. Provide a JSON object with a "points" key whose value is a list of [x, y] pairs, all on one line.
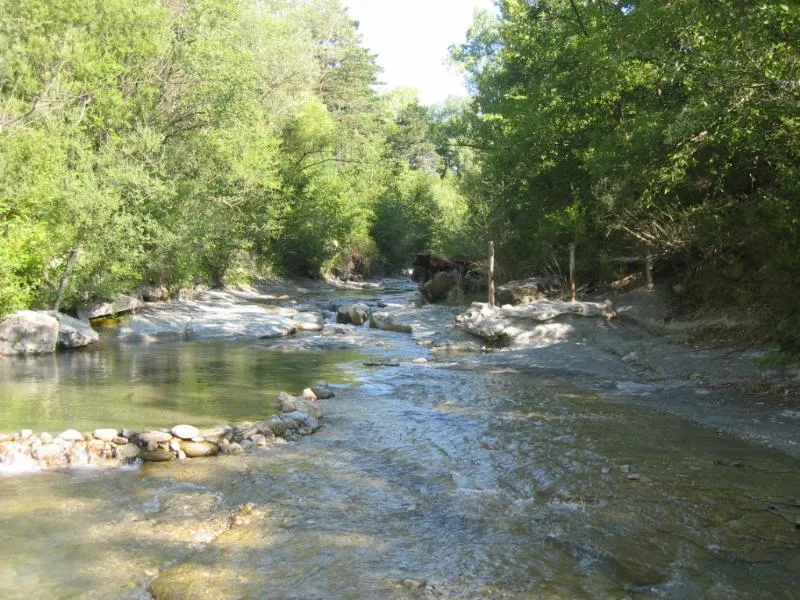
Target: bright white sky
{"points": [[411, 38]]}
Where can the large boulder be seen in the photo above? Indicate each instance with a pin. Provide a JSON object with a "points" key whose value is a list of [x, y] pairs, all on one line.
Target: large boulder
{"points": [[531, 324], [308, 321], [122, 304], [28, 332], [74, 333], [386, 320], [527, 291], [357, 313], [440, 286]]}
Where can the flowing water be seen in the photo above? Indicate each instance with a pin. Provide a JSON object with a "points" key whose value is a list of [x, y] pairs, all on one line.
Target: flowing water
{"points": [[426, 481]]}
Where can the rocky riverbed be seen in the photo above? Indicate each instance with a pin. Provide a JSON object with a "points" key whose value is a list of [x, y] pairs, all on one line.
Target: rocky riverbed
{"points": [[107, 447], [564, 469]]}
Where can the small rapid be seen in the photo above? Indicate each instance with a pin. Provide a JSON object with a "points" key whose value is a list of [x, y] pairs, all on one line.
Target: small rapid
{"points": [[440, 478]]}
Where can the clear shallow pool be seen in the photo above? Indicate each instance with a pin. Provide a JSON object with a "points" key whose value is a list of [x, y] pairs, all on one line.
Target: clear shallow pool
{"points": [[156, 385]]}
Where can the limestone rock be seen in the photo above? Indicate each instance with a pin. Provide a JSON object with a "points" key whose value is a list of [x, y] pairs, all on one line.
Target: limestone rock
{"points": [[157, 455], [198, 449], [155, 437], [385, 321], [28, 332], [308, 321], [323, 392], [529, 290], [185, 432], [155, 293], [71, 435], [127, 452], [291, 404], [357, 313], [440, 285], [74, 333], [122, 304], [106, 435]]}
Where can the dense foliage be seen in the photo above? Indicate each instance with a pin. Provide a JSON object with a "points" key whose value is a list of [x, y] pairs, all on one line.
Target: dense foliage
{"points": [[644, 126], [169, 140]]}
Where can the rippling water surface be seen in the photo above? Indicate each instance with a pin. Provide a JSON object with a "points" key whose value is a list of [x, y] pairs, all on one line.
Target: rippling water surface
{"points": [[426, 481]]}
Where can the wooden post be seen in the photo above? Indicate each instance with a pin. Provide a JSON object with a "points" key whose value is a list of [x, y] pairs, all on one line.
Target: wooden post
{"points": [[572, 270], [648, 269], [62, 286], [491, 273]]}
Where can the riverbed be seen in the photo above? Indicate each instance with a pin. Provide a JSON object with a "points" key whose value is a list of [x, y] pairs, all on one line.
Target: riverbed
{"points": [[464, 476]]}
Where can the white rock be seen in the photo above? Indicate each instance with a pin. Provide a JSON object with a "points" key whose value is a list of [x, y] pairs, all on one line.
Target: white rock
{"points": [[71, 435], [185, 432], [106, 435], [74, 333], [28, 332]]}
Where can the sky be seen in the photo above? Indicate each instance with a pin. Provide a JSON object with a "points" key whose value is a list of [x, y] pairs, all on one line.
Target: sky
{"points": [[411, 38]]}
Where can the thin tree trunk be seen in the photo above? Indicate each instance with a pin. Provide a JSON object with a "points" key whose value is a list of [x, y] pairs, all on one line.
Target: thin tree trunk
{"points": [[491, 273], [64, 283], [572, 271]]}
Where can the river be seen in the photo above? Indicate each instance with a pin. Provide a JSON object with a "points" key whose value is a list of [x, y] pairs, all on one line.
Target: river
{"points": [[454, 478]]}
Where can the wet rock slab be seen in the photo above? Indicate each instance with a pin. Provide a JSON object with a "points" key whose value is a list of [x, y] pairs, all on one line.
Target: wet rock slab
{"points": [[218, 314]]}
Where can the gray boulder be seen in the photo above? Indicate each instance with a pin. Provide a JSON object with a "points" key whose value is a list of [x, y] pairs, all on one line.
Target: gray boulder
{"points": [[527, 291], [74, 333], [357, 313], [122, 304], [440, 286], [290, 404], [28, 332]]}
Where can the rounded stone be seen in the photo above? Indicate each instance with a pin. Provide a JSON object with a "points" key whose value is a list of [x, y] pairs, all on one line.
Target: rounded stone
{"points": [[71, 435], [309, 394], [106, 435], [185, 432], [127, 451], [198, 449], [158, 455], [155, 436]]}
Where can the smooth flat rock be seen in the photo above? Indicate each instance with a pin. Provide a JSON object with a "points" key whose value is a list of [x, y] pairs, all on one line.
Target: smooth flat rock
{"points": [[199, 449], [71, 435], [107, 435], [357, 313], [308, 321], [157, 455], [121, 305], [212, 314], [185, 432], [28, 332], [385, 320], [155, 437], [74, 333]]}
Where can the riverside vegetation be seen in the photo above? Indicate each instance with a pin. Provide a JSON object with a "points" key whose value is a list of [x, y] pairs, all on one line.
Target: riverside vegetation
{"points": [[168, 141]]}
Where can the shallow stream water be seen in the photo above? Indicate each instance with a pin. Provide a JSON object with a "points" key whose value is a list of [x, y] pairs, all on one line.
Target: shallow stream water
{"points": [[427, 481]]}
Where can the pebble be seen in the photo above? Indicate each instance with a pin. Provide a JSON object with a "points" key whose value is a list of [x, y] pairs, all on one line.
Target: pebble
{"points": [[625, 468], [634, 477], [605, 470], [420, 361], [185, 432]]}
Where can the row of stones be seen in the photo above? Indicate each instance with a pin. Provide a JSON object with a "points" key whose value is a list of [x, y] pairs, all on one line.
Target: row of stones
{"points": [[111, 447]]}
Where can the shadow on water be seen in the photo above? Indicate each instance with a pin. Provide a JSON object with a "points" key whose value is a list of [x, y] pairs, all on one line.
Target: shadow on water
{"points": [[427, 483]]}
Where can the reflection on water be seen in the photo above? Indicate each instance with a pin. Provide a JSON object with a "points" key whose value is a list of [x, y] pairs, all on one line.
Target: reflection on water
{"points": [[157, 385]]}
